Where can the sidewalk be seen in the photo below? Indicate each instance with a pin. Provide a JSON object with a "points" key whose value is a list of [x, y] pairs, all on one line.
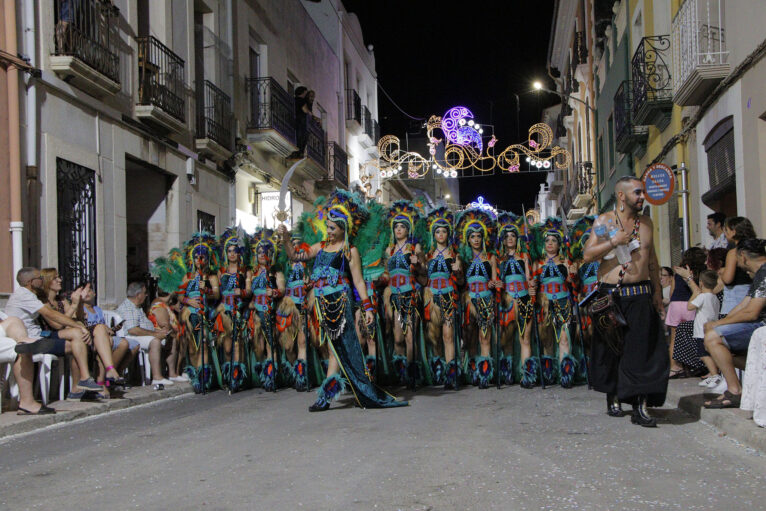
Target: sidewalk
{"points": [[66, 411], [732, 422]]}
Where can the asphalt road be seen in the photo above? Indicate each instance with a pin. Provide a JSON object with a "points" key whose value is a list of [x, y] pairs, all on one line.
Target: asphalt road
{"points": [[509, 449]]}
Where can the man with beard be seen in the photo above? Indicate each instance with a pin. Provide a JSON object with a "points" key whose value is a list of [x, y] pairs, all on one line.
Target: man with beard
{"points": [[631, 363]]}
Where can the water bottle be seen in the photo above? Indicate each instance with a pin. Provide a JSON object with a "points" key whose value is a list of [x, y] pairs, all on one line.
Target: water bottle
{"points": [[622, 251]]}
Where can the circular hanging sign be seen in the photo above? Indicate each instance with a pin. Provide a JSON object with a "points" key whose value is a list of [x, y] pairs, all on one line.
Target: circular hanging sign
{"points": [[659, 184]]}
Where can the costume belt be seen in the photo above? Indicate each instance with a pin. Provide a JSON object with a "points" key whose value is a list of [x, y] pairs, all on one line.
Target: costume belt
{"points": [[323, 287], [296, 291], [400, 282], [556, 290], [479, 288], [517, 288], [261, 301], [639, 288], [589, 285], [440, 285]]}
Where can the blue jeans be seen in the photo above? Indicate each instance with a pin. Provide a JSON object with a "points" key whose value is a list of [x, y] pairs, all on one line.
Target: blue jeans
{"points": [[736, 336]]}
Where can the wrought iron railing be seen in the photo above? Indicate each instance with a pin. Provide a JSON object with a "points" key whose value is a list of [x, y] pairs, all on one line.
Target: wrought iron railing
{"points": [[85, 30], [625, 130], [337, 163], [584, 177], [367, 119], [699, 38], [580, 50], [650, 71], [160, 77], [353, 106], [316, 142], [214, 115], [271, 107]]}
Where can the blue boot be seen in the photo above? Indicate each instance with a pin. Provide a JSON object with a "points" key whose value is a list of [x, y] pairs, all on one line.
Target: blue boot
{"points": [[331, 388], [568, 371], [531, 368]]}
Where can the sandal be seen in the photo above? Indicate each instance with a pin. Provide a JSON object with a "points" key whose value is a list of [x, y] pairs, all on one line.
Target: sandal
{"points": [[677, 374], [725, 400], [44, 410]]}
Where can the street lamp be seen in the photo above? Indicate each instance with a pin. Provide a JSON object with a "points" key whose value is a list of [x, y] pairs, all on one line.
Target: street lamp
{"points": [[566, 97]]}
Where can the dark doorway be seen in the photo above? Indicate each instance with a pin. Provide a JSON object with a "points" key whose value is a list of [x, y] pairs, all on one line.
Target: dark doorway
{"points": [[146, 193]]}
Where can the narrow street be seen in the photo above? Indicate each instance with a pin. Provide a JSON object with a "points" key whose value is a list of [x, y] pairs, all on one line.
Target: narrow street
{"points": [[507, 449]]}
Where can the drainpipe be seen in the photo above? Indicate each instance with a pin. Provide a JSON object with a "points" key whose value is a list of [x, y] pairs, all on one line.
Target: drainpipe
{"points": [[685, 205], [14, 144]]}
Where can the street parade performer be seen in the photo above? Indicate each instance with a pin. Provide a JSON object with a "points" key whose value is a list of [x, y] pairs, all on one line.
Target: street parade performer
{"points": [[516, 307], [476, 231], [587, 281], [198, 293], [336, 264], [267, 286], [231, 313], [371, 241], [403, 261], [553, 275], [629, 360], [440, 296]]}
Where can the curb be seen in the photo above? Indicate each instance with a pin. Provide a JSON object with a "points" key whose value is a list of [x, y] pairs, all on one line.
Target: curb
{"points": [[731, 422], [67, 411]]}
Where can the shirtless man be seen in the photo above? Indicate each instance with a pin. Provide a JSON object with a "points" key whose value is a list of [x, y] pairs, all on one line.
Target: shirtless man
{"points": [[639, 373]]}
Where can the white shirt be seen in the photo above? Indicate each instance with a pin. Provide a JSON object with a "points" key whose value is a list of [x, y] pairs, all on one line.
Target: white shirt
{"points": [[708, 309], [719, 242], [23, 304]]}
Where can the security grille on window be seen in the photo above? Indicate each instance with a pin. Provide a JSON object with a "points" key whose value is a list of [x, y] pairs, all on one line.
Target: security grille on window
{"points": [[719, 146], [205, 222], [76, 212]]}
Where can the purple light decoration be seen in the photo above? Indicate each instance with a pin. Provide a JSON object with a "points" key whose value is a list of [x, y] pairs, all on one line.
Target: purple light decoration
{"points": [[460, 134]]}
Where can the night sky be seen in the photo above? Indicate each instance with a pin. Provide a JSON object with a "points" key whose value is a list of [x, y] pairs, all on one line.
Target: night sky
{"points": [[431, 56]]}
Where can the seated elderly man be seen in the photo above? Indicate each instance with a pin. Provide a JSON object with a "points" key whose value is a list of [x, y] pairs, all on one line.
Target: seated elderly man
{"points": [[137, 324], [17, 348], [732, 333], [24, 305]]}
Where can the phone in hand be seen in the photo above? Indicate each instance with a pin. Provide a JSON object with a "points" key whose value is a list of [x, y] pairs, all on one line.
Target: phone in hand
{"points": [[116, 328]]}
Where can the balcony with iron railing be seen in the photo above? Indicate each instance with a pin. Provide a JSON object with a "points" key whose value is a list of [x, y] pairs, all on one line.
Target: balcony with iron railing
{"points": [[652, 101], [161, 90], [629, 138], [353, 112], [583, 190], [337, 165], [271, 123], [700, 57], [316, 150], [367, 135], [214, 121], [84, 48]]}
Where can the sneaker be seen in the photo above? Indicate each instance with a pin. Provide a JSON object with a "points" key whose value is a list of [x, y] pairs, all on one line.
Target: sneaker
{"points": [[720, 388], [714, 381], [707, 381], [163, 381], [89, 384], [180, 378]]}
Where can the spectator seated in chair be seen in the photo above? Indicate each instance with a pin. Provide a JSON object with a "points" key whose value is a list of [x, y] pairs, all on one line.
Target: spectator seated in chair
{"points": [[732, 333], [163, 315], [17, 348], [138, 324], [100, 335], [25, 305]]}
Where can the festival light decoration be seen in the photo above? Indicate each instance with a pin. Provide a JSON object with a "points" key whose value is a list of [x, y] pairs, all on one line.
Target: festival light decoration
{"points": [[464, 149]]}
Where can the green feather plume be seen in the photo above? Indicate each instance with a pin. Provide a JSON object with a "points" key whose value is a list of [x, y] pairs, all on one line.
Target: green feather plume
{"points": [[372, 239]]}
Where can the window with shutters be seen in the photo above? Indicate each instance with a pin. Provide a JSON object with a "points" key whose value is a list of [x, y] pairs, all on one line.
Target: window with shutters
{"points": [[675, 228], [719, 146]]}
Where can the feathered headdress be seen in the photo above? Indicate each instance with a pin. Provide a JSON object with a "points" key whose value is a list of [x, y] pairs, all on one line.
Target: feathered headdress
{"points": [[403, 212], [266, 240], [551, 227], [233, 236], [311, 227], [511, 222], [347, 210], [439, 217], [472, 220], [580, 234], [169, 271], [201, 244], [371, 241]]}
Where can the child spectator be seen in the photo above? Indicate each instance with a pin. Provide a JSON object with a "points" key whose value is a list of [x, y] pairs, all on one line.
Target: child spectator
{"points": [[705, 302]]}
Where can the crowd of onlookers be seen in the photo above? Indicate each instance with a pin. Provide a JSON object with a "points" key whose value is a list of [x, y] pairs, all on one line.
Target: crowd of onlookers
{"points": [[40, 319], [716, 314]]}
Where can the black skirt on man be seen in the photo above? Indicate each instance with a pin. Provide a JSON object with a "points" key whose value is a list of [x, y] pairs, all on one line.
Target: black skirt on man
{"points": [[641, 369]]}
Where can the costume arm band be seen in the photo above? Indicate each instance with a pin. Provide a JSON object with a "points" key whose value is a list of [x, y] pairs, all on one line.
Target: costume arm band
{"points": [[367, 305]]}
